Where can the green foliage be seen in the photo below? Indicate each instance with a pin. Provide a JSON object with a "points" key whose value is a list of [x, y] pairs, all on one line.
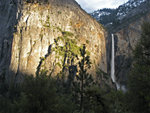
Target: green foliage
{"points": [[116, 102], [142, 51], [67, 33], [35, 95], [83, 80], [87, 41], [8, 95], [40, 92], [59, 12], [103, 79], [94, 102], [139, 85], [68, 52], [47, 22]]}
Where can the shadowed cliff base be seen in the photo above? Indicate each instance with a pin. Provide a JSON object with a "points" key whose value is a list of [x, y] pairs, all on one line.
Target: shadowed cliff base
{"points": [[58, 95], [10, 14]]}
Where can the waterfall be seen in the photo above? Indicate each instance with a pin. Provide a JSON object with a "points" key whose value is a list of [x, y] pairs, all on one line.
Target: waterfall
{"points": [[113, 77], [113, 60]]}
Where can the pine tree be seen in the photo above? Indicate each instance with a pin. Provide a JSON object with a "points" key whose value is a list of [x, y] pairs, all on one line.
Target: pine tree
{"points": [[83, 79], [139, 79]]}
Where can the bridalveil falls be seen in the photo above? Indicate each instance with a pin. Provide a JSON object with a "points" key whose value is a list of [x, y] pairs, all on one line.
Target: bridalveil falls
{"points": [[113, 77], [113, 60]]}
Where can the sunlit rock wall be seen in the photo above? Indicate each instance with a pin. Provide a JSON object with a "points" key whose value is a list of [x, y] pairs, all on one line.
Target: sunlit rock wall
{"points": [[28, 34]]}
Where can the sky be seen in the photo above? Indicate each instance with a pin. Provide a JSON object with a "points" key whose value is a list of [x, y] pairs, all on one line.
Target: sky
{"points": [[92, 5]]}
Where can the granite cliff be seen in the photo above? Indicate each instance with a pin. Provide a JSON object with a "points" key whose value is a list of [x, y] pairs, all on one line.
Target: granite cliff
{"points": [[34, 35]]}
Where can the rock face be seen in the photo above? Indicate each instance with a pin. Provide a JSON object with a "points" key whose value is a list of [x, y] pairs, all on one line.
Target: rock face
{"points": [[47, 35], [125, 41]]}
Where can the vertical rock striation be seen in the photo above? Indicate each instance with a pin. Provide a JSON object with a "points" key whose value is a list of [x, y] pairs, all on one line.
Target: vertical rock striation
{"points": [[32, 33]]}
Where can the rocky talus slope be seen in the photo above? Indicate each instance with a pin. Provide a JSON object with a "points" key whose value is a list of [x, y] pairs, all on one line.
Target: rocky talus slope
{"points": [[47, 35]]}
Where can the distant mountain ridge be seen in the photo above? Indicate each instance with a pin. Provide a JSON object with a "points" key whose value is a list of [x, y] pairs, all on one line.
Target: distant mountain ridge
{"points": [[110, 18]]}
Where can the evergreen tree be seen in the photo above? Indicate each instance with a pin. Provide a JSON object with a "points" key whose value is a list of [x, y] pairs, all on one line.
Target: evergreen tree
{"points": [[139, 79], [41, 95], [38, 95], [83, 78]]}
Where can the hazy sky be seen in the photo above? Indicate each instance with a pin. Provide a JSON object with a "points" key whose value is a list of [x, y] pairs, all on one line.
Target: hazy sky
{"points": [[91, 5]]}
